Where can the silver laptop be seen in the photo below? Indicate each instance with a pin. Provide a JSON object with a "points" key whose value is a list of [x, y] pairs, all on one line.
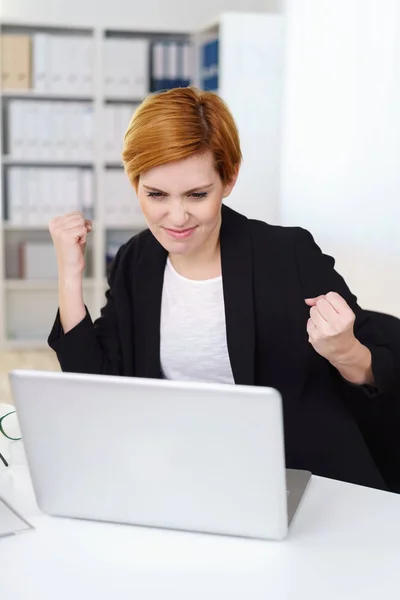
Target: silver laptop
{"points": [[187, 456]]}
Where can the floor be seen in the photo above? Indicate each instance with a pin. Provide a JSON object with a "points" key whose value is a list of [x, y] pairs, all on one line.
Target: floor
{"points": [[43, 360]]}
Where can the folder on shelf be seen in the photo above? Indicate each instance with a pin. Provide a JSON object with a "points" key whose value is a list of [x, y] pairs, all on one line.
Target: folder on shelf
{"points": [[87, 119], [109, 114], [138, 68], [85, 66], [55, 75], [16, 130], [33, 193], [86, 193], [41, 62], [15, 62], [30, 116], [72, 61], [187, 64], [46, 199], [210, 62], [171, 50], [109, 81], [15, 199], [158, 67]]}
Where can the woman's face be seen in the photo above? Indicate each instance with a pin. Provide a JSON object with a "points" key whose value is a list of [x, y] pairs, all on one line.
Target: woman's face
{"points": [[181, 202]]}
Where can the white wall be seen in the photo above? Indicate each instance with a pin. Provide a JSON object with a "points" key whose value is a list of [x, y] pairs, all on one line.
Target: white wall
{"points": [[341, 164], [147, 15]]}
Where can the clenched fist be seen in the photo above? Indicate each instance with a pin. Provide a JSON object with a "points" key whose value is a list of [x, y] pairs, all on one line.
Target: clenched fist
{"points": [[330, 327], [69, 234]]}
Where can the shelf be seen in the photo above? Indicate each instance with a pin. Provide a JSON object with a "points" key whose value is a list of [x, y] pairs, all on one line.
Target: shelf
{"points": [[113, 165], [48, 162], [40, 228], [110, 100], [39, 284], [12, 227], [33, 94]]}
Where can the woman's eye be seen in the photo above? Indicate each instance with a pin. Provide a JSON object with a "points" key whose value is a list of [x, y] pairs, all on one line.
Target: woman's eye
{"points": [[199, 195], [155, 194]]}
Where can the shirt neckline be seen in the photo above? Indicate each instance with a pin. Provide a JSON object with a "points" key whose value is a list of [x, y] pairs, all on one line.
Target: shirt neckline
{"points": [[191, 281]]}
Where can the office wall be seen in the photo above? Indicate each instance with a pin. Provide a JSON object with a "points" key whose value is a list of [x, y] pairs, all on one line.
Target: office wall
{"points": [[341, 163], [150, 15]]}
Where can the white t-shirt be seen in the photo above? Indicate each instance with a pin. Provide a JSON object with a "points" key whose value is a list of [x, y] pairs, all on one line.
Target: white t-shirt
{"points": [[193, 344]]}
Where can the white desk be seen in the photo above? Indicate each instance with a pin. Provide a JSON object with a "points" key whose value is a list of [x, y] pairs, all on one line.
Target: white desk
{"points": [[344, 544]]}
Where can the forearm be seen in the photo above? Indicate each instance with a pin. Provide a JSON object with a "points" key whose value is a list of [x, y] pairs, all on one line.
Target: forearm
{"points": [[356, 365], [72, 306]]}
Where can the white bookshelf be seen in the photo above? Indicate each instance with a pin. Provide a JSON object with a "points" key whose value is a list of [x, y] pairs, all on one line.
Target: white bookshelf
{"points": [[28, 306]]}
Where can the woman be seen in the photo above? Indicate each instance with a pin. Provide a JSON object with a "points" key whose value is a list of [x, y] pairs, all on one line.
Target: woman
{"points": [[207, 295]]}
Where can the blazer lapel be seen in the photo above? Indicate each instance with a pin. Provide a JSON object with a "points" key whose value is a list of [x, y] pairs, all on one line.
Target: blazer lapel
{"points": [[237, 277], [147, 294]]}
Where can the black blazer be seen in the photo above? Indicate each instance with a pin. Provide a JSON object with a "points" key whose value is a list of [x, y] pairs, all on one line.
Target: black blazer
{"points": [[267, 271]]}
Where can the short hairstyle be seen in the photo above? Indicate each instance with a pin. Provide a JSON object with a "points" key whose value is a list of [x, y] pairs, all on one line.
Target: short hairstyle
{"points": [[177, 124]]}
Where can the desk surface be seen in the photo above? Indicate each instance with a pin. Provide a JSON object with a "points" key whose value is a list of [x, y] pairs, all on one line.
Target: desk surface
{"points": [[344, 543]]}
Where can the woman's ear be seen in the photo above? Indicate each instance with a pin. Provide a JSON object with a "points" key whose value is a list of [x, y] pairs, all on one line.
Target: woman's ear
{"points": [[229, 186]]}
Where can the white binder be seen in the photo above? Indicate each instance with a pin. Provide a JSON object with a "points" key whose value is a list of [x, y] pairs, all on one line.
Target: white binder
{"points": [[41, 62], [172, 64], [16, 133], [16, 200], [86, 193]]}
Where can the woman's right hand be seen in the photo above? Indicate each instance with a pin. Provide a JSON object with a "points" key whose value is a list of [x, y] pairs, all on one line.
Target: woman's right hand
{"points": [[69, 234]]}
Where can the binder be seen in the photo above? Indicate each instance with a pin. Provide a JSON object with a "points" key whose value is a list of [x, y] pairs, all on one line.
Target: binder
{"points": [[75, 124], [30, 125], [86, 193], [110, 78], [32, 190], [46, 200], [16, 62], [71, 199], [15, 198], [71, 64], [87, 117], [210, 61], [122, 117], [41, 62], [109, 112], [41, 116], [16, 132], [171, 50], [138, 68], [86, 66], [54, 71], [158, 70], [180, 76], [187, 64], [55, 130]]}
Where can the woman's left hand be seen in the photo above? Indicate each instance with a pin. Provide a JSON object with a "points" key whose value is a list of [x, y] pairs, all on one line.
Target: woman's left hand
{"points": [[330, 327]]}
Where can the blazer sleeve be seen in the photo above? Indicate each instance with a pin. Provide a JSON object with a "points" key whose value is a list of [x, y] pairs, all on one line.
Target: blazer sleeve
{"points": [[89, 347], [318, 276]]}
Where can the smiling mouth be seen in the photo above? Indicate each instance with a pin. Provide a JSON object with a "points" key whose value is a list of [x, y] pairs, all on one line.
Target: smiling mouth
{"points": [[179, 234], [180, 230]]}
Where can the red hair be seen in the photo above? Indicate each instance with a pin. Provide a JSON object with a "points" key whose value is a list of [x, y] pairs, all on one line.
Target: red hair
{"points": [[177, 124]]}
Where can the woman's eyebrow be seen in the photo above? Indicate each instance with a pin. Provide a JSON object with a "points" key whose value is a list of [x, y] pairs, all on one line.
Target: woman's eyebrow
{"points": [[199, 187]]}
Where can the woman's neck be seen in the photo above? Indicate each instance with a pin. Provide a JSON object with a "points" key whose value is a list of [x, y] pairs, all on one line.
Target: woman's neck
{"points": [[204, 264]]}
